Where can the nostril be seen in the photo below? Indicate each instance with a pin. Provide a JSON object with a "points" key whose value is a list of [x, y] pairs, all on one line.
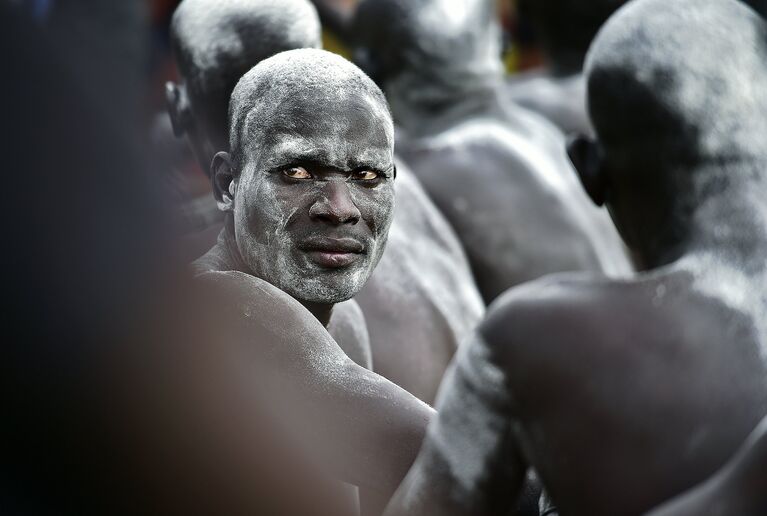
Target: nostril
{"points": [[327, 212]]}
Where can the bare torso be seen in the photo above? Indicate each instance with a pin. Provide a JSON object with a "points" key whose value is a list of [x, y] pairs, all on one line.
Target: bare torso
{"points": [[501, 177], [660, 379], [363, 430]]}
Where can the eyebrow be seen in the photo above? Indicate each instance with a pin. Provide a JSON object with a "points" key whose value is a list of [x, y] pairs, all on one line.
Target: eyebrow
{"points": [[317, 160]]}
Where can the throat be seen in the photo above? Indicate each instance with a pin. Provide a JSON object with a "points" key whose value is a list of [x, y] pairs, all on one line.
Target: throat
{"points": [[321, 311]]}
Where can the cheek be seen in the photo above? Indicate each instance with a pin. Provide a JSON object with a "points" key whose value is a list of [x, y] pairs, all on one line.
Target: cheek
{"points": [[259, 209], [377, 207]]}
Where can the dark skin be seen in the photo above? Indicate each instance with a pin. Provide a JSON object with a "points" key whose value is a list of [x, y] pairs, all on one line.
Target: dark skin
{"points": [[498, 173], [421, 300], [424, 267], [737, 488], [510, 196], [201, 119], [623, 394], [308, 206]]}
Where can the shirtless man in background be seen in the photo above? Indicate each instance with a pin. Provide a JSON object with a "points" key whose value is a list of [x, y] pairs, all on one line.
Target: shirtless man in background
{"points": [[421, 301], [499, 173], [623, 394], [565, 29]]}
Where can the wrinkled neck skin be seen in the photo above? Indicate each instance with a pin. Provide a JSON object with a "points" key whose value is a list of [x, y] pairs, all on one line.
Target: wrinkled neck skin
{"points": [[422, 97], [227, 243]]}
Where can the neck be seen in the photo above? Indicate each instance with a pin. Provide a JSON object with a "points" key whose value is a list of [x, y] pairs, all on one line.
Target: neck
{"points": [[732, 228], [233, 261], [321, 311], [418, 98]]}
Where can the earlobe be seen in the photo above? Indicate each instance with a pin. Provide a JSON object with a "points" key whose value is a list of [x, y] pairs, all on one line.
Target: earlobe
{"points": [[177, 104], [586, 156], [224, 184]]}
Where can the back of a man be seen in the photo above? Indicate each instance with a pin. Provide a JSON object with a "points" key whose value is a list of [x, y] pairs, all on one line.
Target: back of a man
{"points": [[421, 301], [623, 393], [498, 172], [505, 185], [671, 377]]}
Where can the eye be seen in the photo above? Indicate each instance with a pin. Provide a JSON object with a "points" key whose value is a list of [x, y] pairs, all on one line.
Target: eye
{"points": [[365, 175], [297, 173]]}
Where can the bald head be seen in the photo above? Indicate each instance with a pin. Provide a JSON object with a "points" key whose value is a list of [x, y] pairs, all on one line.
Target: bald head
{"points": [[451, 42], [759, 6], [269, 100], [312, 159], [216, 42], [691, 81], [567, 27], [677, 96]]}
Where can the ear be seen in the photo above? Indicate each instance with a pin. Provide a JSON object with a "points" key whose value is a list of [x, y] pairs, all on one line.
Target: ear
{"points": [[587, 157], [177, 104], [224, 183]]}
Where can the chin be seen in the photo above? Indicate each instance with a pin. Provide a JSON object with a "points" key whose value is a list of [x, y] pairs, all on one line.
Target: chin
{"points": [[331, 288]]}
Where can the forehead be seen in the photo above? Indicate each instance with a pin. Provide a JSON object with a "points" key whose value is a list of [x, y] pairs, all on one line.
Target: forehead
{"points": [[336, 129]]}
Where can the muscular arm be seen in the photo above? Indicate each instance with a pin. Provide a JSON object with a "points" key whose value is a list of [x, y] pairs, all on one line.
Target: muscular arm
{"points": [[359, 425], [469, 463]]}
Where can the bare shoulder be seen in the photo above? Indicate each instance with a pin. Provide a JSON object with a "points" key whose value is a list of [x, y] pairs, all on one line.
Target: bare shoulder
{"points": [[254, 303], [550, 316]]}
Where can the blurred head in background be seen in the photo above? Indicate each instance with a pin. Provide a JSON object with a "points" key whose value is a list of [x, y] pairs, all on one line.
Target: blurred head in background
{"points": [[428, 52], [214, 44]]}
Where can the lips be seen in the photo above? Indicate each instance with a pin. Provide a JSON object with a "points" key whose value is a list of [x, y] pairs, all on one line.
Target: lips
{"points": [[333, 253]]}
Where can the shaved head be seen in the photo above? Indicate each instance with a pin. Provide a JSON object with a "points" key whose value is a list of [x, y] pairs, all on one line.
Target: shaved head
{"points": [[689, 79], [262, 100], [312, 157], [677, 96], [215, 42], [453, 42]]}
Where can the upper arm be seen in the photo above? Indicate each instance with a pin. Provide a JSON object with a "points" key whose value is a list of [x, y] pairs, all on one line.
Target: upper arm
{"points": [[470, 462], [360, 425]]}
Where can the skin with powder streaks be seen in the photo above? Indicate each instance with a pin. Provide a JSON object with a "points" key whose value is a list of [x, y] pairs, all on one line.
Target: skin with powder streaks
{"points": [[308, 194]]}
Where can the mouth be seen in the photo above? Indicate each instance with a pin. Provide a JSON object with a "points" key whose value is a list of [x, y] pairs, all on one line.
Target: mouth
{"points": [[332, 253]]}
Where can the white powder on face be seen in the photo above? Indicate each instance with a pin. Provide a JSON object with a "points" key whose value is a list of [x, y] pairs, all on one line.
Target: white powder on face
{"points": [[287, 82]]}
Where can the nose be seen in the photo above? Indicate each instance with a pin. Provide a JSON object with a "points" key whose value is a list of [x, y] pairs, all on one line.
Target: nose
{"points": [[336, 206]]}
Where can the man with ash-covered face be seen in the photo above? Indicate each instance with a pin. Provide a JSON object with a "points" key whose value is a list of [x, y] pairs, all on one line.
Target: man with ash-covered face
{"points": [[423, 266], [624, 393], [308, 192]]}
